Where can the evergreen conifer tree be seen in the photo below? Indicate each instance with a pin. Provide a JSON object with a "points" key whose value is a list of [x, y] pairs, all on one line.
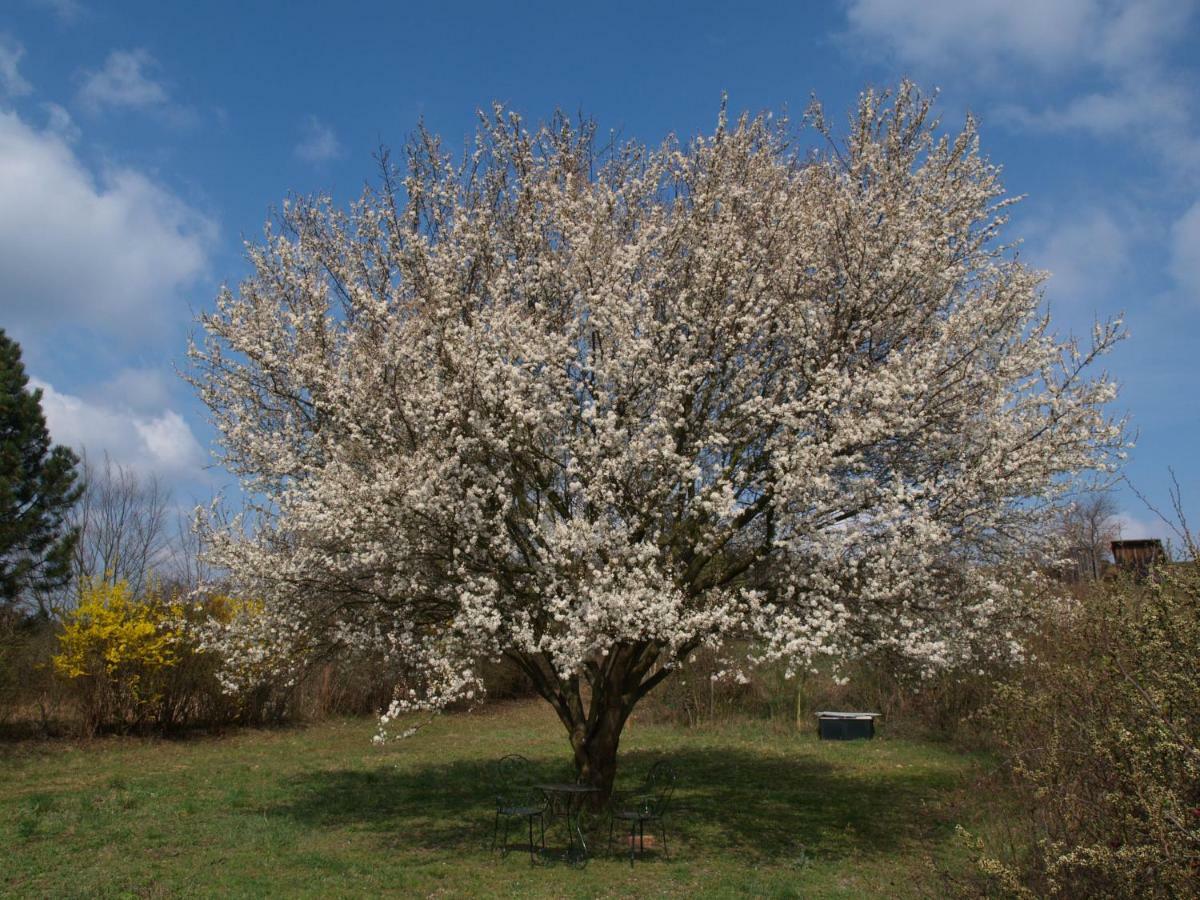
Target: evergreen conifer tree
{"points": [[38, 486]]}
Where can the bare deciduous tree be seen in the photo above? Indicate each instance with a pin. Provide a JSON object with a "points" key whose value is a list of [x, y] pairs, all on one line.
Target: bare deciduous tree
{"points": [[1089, 525], [123, 524]]}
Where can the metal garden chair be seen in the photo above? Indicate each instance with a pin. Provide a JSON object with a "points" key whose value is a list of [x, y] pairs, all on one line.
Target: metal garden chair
{"points": [[517, 798], [647, 804]]}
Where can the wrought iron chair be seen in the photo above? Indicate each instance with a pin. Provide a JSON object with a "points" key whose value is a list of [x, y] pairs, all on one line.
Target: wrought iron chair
{"points": [[647, 804], [517, 798]]}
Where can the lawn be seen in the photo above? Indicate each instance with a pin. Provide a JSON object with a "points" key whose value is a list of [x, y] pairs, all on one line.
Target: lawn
{"points": [[320, 811]]}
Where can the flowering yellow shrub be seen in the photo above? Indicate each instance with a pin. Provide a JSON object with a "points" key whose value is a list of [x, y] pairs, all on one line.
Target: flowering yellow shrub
{"points": [[133, 662], [110, 633], [223, 608], [118, 651]]}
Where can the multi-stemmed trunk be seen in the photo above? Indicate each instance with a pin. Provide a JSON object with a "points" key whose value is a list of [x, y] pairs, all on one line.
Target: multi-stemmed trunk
{"points": [[594, 706], [595, 748]]}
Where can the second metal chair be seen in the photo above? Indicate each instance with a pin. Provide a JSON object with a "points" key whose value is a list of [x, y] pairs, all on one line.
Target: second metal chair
{"points": [[647, 804]]}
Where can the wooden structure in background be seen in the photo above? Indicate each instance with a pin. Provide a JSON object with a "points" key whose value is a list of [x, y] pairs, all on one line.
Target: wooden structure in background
{"points": [[1139, 555]]}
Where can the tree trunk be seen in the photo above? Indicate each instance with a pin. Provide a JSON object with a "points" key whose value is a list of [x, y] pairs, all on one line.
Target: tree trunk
{"points": [[595, 748], [615, 685]]}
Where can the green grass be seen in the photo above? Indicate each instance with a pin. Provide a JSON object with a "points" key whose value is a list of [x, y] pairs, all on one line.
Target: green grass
{"points": [[320, 811]]}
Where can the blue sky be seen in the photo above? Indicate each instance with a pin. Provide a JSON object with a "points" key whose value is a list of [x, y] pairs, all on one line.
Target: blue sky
{"points": [[140, 142]]}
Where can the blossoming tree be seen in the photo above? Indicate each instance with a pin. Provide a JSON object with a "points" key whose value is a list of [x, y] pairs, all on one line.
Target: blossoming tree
{"points": [[591, 407]]}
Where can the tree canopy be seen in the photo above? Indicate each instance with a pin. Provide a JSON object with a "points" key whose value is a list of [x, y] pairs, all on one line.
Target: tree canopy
{"points": [[592, 405], [37, 488]]}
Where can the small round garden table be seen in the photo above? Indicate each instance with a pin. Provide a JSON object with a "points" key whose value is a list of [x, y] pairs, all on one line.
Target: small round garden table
{"points": [[565, 801]]}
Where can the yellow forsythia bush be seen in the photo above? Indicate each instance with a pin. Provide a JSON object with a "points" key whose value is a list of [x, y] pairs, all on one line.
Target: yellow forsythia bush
{"points": [[153, 662], [116, 652], [132, 662], [112, 632]]}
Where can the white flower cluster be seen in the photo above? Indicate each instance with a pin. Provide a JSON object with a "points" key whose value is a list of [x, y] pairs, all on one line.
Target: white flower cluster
{"points": [[592, 409]]}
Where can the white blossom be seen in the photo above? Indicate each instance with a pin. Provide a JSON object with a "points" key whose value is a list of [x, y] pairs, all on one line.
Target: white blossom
{"points": [[592, 409]]}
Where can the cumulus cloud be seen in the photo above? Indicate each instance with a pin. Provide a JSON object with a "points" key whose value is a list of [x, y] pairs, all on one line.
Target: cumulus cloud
{"points": [[160, 442], [319, 143], [1185, 252], [11, 82], [112, 251], [977, 35], [1116, 44]]}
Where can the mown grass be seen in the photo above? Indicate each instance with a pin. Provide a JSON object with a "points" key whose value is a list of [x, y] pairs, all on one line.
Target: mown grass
{"points": [[320, 811]]}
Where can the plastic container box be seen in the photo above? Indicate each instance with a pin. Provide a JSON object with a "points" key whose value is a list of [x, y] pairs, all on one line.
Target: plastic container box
{"points": [[846, 726]]}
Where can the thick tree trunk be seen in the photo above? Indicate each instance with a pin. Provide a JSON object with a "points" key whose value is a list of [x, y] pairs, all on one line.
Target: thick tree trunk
{"points": [[595, 748], [615, 684]]}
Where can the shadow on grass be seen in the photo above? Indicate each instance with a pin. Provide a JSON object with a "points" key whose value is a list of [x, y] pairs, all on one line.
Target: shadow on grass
{"points": [[756, 807]]}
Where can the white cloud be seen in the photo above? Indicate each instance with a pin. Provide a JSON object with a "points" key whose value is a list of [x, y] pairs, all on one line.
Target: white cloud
{"points": [[60, 123], [1109, 113], [1132, 528], [68, 11], [939, 34], [161, 443], [1084, 254], [126, 82], [1116, 46], [981, 35], [1141, 106], [319, 144], [1132, 32], [11, 82], [113, 251], [141, 390], [1185, 252], [123, 82]]}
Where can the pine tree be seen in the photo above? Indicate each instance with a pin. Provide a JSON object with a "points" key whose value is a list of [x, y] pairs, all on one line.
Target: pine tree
{"points": [[38, 486]]}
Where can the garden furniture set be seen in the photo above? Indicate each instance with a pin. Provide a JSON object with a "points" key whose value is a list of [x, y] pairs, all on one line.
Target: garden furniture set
{"points": [[523, 800]]}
